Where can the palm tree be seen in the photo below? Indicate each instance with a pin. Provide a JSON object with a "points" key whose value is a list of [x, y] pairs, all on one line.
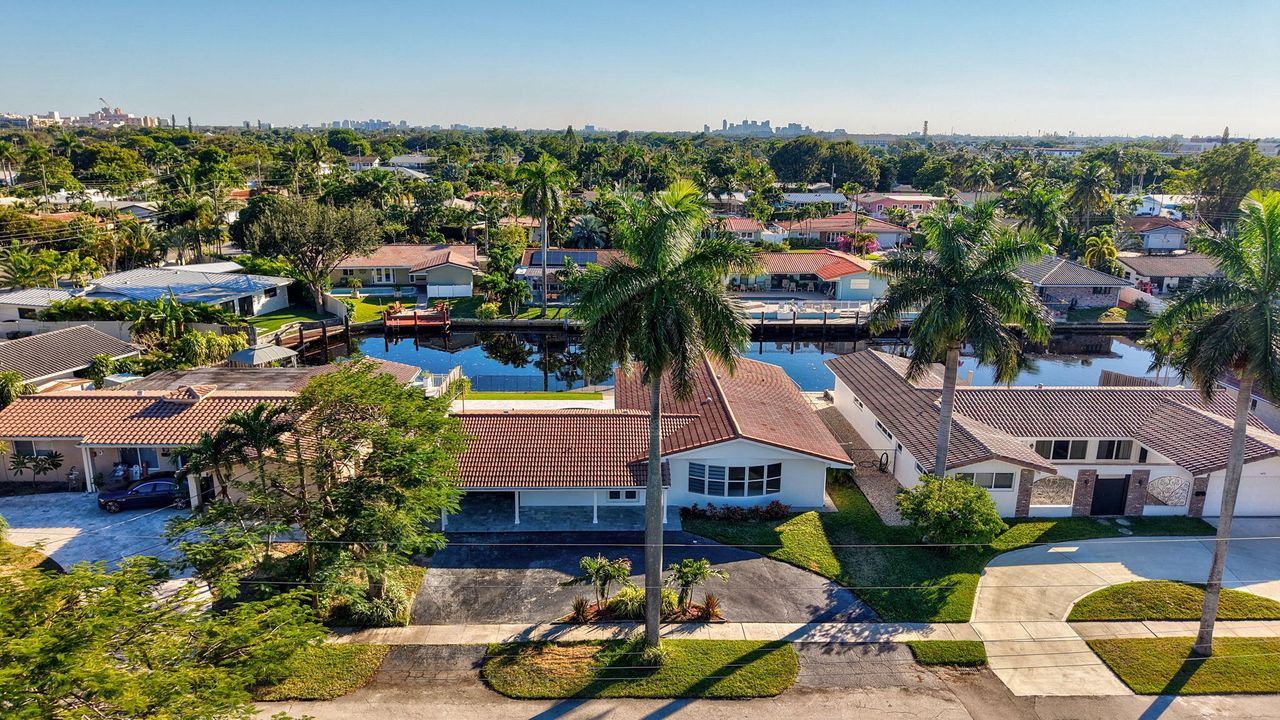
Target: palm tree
{"points": [[976, 176], [689, 573], [544, 182], [1228, 324], [1089, 191], [664, 305], [601, 573], [589, 232], [259, 431], [8, 158], [965, 290], [1040, 207], [211, 454], [1100, 252], [493, 207], [66, 143]]}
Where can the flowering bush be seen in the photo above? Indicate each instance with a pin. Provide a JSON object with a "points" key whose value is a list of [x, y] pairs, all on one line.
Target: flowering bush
{"points": [[775, 510]]}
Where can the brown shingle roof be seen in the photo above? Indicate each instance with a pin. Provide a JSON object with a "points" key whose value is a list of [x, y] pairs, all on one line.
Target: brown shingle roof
{"points": [[558, 449], [1177, 265], [415, 257], [53, 353], [117, 418], [759, 403], [1147, 223]]}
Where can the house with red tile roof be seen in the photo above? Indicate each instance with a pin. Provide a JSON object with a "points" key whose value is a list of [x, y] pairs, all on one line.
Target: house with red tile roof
{"points": [[829, 229], [743, 438], [837, 275], [1155, 234], [1062, 451], [744, 228], [438, 270]]}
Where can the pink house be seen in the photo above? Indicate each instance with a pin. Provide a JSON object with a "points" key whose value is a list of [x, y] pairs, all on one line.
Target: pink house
{"points": [[875, 204]]}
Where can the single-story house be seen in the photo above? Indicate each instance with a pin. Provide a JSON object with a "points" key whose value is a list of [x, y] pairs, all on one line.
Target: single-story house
{"points": [[140, 209], [50, 359], [101, 433], [834, 274], [836, 200], [413, 161], [729, 202], [1171, 206], [743, 439], [27, 304], [1157, 274], [242, 293], [360, 163], [530, 268], [743, 228], [1062, 451], [1155, 233], [437, 270], [1061, 282], [828, 229], [916, 203]]}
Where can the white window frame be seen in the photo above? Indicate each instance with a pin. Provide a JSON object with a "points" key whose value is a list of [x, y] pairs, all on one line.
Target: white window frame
{"points": [[987, 480], [706, 479], [384, 276], [622, 497]]}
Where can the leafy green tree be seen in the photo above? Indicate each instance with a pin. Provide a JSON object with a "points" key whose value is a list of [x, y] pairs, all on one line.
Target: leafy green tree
{"points": [[688, 574], [602, 574], [499, 281], [950, 511], [1228, 325], [1089, 191], [13, 386], [799, 160], [965, 290], [1224, 175], [665, 306], [95, 644], [1039, 207], [850, 163], [313, 238], [544, 182], [935, 170]]}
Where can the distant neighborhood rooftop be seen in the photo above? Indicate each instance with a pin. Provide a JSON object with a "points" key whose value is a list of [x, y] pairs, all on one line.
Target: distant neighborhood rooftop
{"points": [[34, 297], [1171, 265], [415, 257], [48, 355], [186, 285], [1053, 271]]}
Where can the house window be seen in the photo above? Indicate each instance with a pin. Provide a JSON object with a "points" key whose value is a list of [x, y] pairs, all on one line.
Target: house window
{"points": [[29, 449], [623, 496], [1102, 291], [1115, 449], [384, 276], [1062, 449], [989, 480], [735, 481], [859, 284], [920, 469], [883, 431], [28, 313], [348, 272], [270, 292], [1142, 455]]}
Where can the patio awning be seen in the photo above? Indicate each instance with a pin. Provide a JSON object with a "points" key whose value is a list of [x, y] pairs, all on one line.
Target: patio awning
{"points": [[260, 355]]}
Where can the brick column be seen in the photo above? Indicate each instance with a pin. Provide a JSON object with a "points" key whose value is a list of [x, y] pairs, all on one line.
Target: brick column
{"points": [[1136, 498], [1199, 486], [1083, 500], [1023, 506]]}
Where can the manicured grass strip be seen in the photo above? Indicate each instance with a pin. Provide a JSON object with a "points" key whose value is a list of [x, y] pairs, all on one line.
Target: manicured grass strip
{"points": [[324, 672], [466, 308], [16, 558], [1162, 666], [963, 653], [535, 395], [615, 669], [371, 307], [1168, 600], [910, 584], [280, 318]]}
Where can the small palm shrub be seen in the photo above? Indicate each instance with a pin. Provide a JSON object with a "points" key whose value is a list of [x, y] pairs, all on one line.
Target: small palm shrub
{"points": [[389, 610], [711, 608], [580, 606], [629, 602]]}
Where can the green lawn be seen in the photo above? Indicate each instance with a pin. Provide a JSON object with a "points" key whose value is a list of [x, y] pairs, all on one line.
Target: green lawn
{"points": [[1162, 666], [694, 668], [280, 318], [568, 395], [16, 558], [1107, 315], [324, 672], [371, 307], [1168, 600], [466, 308], [907, 583], [961, 653]]}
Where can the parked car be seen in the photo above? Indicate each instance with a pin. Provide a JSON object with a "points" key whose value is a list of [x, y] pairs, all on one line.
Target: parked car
{"points": [[152, 492]]}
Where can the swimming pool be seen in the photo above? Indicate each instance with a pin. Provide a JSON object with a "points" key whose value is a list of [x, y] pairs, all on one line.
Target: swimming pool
{"points": [[408, 291]]}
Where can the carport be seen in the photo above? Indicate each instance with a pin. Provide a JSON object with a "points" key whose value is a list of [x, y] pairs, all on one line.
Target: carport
{"points": [[532, 510]]}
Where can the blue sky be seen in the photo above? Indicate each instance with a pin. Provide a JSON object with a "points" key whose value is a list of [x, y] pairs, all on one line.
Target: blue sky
{"points": [[983, 67]]}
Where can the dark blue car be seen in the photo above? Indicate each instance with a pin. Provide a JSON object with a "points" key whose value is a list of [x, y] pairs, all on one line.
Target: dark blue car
{"points": [[148, 493]]}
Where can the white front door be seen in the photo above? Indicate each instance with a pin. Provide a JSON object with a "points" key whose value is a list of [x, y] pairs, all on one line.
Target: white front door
{"points": [[384, 276]]}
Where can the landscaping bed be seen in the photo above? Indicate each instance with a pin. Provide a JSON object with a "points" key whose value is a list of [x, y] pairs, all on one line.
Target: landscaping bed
{"points": [[1168, 600], [914, 584], [324, 672], [617, 669], [1162, 666], [955, 653]]}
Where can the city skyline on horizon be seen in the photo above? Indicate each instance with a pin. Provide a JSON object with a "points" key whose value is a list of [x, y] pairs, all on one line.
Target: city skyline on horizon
{"points": [[677, 67]]}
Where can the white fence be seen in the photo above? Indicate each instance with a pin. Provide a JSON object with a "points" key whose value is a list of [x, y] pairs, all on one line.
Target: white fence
{"points": [[436, 383], [445, 291]]}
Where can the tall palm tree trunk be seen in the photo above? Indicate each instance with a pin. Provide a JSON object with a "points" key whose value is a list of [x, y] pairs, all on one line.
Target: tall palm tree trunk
{"points": [[545, 239], [1230, 489], [653, 520], [944, 413]]}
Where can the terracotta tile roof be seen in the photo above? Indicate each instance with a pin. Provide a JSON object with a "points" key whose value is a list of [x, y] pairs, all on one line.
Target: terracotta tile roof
{"points": [[1177, 265], [759, 402], [826, 264], [1053, 271], [282, 379], [558, 448], [1147, 223], [415, 257], [110, 417], [844, 222], [61, 351], [741, 224], [995, 421]]}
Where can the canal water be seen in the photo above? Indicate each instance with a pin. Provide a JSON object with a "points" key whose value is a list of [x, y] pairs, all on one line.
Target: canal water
{"points": [[532, 361]]}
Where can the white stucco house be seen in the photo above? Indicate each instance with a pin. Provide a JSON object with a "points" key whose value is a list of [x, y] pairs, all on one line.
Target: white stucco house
{"points": [[248, 295], [1062, 451], [745, 439]]}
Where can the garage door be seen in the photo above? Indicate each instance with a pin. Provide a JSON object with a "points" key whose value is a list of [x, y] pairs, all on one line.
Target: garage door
{"points": [[1259, 496]]}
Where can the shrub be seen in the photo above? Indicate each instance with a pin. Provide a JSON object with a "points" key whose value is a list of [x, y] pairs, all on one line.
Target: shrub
{"points": [[949, 510], [629, 602], [775, 510], [1115, 314], [580, 605], [654, 656], [389, 610], [488, 311], [1141, 305], [711, 607]]}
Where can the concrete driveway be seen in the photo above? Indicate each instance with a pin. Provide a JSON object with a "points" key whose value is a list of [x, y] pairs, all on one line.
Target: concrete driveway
{"points": [[515, 578], [1024, 597], [71, 528]]}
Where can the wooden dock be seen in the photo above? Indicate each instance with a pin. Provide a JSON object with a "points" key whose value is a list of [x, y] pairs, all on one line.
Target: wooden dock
{"points": [[435, 318]]}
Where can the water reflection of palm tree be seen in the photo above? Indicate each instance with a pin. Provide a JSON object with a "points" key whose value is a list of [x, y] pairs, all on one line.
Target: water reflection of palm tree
{"points": [[506, 348]]}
